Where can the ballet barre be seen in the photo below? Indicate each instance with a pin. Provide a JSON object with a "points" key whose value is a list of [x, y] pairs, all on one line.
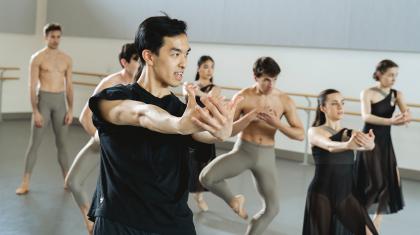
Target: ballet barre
{"points": [[308, 109], [89, 74], [3, 70]]}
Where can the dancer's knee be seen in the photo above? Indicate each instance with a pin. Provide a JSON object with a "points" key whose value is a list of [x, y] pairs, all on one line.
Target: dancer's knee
{"points": [[206, 179]]}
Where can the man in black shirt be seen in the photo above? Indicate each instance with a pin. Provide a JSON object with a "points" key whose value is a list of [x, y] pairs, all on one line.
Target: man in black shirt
{"points": [[145, 132]]}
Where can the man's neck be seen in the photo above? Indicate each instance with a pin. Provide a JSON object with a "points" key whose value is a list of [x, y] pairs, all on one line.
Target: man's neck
{"points": [[258, 91], [51, 50], [125, 76], [151, 84]]}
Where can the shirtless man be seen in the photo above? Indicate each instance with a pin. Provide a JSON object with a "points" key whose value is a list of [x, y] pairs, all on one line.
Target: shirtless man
{"points": [[88, 158], [262, 108], [50, 71]]}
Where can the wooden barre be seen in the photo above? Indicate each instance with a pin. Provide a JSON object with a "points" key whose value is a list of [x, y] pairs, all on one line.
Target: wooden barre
{"points": [[238, 89], [9, 68], [85, 83], [9, 78], [97, 75]]}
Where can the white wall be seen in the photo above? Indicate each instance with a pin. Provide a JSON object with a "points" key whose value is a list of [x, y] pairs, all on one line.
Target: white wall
{"points": [[304, 70]]}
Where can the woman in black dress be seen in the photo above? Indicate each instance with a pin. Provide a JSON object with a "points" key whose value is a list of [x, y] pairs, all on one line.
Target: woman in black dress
{"points": [[332, 207], [377, 176], [201, 153]]}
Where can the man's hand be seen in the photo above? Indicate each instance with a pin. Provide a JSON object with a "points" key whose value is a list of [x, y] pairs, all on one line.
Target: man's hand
{"points": [[270, 117], [217, 117], [68, 119], [186, 124], [38, 119]]}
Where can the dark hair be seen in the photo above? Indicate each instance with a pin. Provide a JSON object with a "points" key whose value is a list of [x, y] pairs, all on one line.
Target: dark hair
{"points": [[267, 66], [382, 67], [150, 34], [128, 52], [322, 97], [203, 59], [51, 27]]}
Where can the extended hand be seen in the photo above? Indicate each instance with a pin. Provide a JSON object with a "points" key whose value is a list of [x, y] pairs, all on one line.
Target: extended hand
{"points": [[217, 116]]}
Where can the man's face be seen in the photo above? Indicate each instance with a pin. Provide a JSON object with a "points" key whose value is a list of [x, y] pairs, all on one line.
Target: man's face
{"points": [[265, 83], [171, 62], [53, 39], [133, 66]]}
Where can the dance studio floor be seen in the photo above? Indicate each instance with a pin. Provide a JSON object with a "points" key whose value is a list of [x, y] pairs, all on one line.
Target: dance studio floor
{"points": [[50, 210]]}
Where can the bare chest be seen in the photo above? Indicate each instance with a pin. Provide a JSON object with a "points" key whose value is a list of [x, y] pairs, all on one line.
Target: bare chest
{"points": [[267, 104], [54, 64]]}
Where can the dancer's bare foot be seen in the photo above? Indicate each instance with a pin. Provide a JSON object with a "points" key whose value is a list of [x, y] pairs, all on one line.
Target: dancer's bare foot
{"points": [[237, 205], [22, 189], [202, 205], [24, 186]]}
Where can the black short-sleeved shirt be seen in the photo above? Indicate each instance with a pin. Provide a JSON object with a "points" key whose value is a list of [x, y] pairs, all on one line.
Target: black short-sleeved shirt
{"points": [[143, 180]]}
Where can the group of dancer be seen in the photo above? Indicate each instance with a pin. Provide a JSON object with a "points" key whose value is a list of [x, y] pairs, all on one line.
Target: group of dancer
{"points": [[155, 149]]}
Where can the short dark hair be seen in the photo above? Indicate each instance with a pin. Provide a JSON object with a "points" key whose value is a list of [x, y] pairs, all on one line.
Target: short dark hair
{"points": [[267, 66], [128, 52], [52, 27], [382, 67], [151, 31]]}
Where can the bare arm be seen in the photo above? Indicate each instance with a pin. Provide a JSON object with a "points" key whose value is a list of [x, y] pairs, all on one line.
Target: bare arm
{"points": [[358, 141], [318, 137], [68, 119], [34, 68], [86, 120], [69, 85], [135, 113], [240, 123], [368, 117], [33, 81], [86, 114], [205, 137], [402, 105], [295, 128]]}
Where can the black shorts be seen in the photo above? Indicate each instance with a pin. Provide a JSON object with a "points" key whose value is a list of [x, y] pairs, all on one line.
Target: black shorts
{"points": [[104, 226]]}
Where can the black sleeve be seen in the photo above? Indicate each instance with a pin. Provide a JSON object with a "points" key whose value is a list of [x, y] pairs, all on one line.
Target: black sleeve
{"points": [[118, 92]]}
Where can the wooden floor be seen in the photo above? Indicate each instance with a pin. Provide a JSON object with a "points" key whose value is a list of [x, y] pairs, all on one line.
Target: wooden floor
{"points": [[48, 209]]}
